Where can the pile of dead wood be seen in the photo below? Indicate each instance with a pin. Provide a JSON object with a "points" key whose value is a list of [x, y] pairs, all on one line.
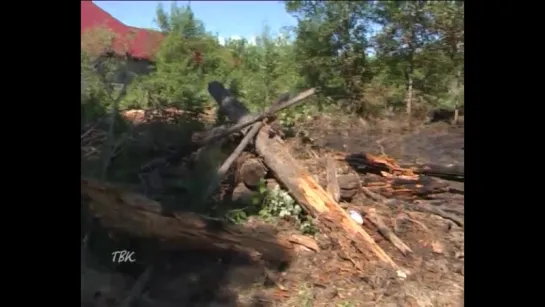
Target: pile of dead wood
{"points": [[261, 151], [136, 215], [386, 177]]}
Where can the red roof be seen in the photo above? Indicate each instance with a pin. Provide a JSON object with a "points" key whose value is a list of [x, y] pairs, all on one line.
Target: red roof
{"points": [[139, 43]]}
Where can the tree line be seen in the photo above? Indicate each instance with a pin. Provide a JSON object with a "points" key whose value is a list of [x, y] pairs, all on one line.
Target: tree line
{"points": [[364, 57]]}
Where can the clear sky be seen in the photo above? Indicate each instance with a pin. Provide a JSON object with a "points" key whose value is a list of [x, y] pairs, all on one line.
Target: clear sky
{"points": [[226, 18]]}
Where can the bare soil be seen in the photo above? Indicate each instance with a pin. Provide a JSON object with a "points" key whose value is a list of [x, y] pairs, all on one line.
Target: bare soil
{"points": [[327, 278]]}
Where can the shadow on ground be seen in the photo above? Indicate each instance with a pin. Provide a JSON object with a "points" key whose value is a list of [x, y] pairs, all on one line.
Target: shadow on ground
{"points": [[187, 275], [192, 277]]}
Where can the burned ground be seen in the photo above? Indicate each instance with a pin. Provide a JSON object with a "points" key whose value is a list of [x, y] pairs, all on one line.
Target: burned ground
{"points": [[328, 277]]}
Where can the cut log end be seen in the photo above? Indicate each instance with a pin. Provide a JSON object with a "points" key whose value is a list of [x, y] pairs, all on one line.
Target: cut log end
{"points": [[251, 172]]}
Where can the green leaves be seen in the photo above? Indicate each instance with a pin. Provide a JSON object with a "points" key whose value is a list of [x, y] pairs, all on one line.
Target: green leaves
{"points": [[362, 53]]}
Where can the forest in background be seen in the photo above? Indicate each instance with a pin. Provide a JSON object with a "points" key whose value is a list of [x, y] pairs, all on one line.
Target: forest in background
{"points": [[370, 58]]}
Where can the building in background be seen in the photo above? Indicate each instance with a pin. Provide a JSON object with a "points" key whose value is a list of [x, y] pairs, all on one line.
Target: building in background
{"points": [[133, 46]]}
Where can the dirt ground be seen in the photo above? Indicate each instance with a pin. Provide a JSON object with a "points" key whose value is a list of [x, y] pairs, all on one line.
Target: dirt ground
{"points": [[326, 278]]}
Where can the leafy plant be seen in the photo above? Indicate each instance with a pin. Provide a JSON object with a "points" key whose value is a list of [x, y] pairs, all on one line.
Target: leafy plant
{"points": [[272, 205], [278, 204]]}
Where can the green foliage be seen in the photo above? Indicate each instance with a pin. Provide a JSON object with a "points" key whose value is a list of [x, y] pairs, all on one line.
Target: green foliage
{"points": [[360, 55], [256, 73], [272, 205], [277, 203], [412, 40]]}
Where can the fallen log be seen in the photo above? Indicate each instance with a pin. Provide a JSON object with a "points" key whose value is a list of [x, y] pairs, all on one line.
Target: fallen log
{"points": [[250, 170], [332, 186], [135, 215], [453, 172], [317, 202], [422, 185], [368, 162], [305, 190], [384, 175]]}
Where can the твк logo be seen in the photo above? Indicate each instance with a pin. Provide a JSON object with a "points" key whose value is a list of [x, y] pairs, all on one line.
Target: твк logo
{"points": [[124, 256]]}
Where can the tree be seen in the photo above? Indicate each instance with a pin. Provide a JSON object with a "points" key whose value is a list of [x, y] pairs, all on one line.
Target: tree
{"points": [[366, 56], [406, 31], [448, 25], [180, 66], [330, 45]]}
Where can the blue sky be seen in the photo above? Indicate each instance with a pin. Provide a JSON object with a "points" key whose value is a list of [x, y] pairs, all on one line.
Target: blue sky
{"points": [[227, 18]]}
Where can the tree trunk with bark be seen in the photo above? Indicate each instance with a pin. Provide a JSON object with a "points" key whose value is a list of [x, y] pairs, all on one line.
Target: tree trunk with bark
{"points": [[300, 184], [135, 215]]}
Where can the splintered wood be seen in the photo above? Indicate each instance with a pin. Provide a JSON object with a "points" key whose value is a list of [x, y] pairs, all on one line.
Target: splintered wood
{"points": [[453, 172], [136, 215], [386, 177], [314, 198], [299, 183], [332, 181]]}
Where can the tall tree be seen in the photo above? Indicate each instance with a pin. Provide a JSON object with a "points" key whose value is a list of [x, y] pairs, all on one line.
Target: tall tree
{"points": [[406, 30], [331, 43], [448, 25]]}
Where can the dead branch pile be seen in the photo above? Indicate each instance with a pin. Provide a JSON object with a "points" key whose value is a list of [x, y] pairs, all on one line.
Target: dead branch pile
{"points": [[262, 153], [386, 177]]}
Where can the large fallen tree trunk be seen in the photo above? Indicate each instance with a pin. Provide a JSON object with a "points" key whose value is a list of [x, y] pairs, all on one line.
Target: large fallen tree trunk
{"points": [[133, 214], [453, 172], [313, 197], [300, 183], [368, 162]]}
